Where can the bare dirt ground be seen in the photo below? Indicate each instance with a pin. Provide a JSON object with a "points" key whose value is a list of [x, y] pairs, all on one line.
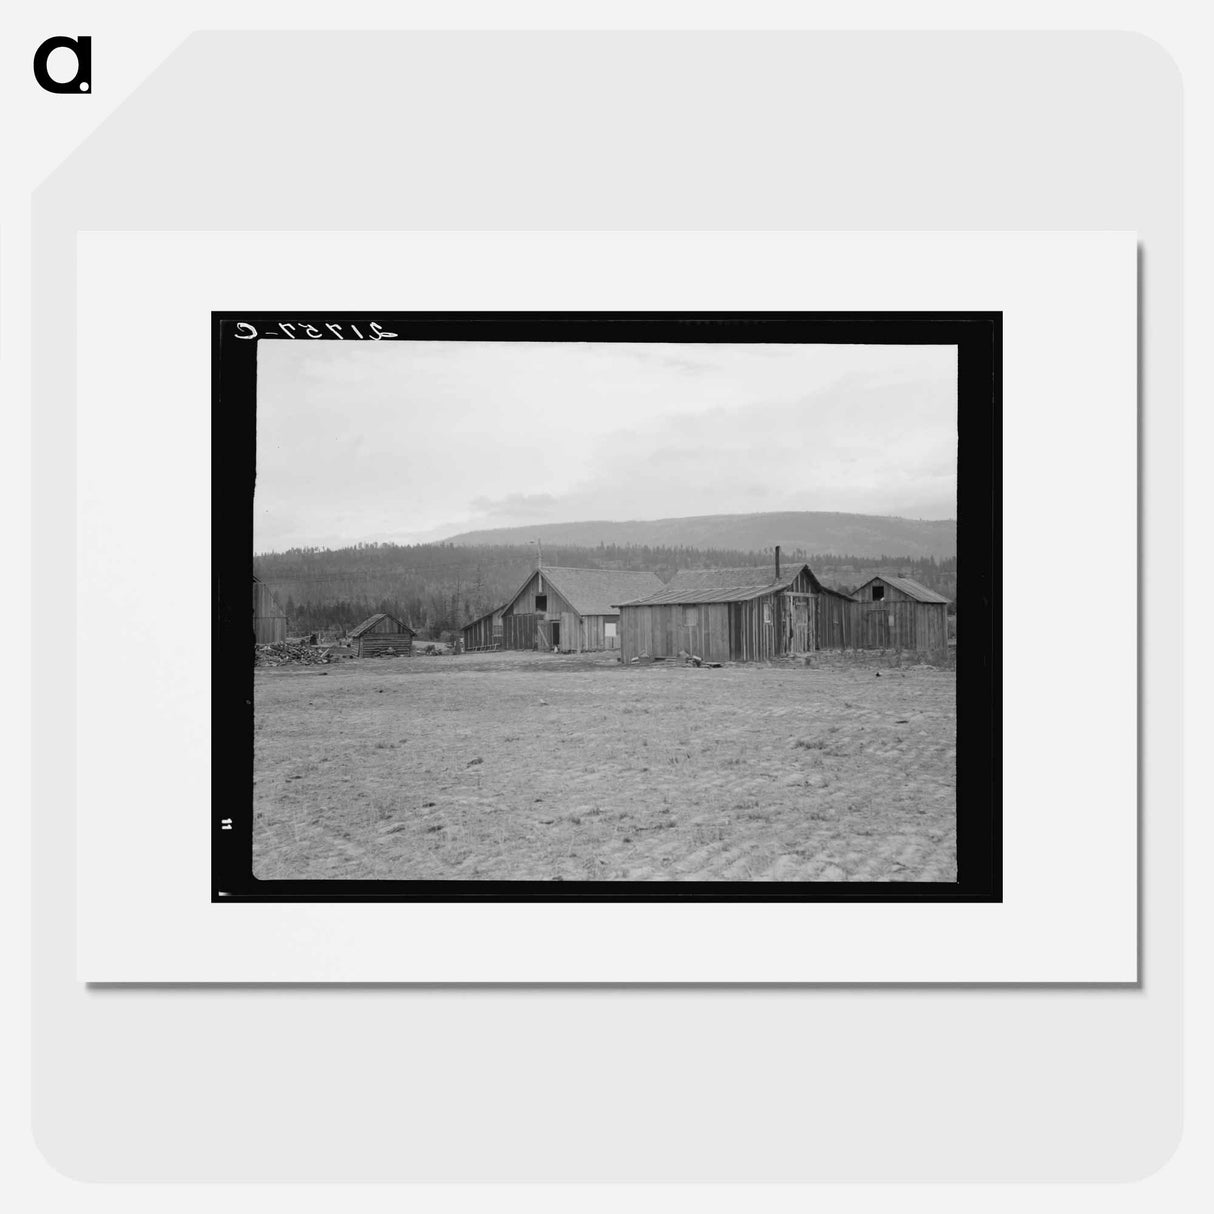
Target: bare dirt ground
{"points": [[533, 766]]}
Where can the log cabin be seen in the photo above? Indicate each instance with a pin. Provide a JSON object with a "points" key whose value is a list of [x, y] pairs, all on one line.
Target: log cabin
{"points": [[379, 633]]}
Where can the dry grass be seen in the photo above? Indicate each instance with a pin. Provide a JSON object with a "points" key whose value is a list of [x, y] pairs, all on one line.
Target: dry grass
{"points": [[532, 766]]}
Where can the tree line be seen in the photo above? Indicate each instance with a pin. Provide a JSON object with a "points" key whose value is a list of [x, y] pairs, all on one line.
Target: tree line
{"points": [[437, 588]]}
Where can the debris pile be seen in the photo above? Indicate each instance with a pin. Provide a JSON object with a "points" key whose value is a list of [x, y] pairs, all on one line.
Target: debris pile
{"points": [[287, 652]]}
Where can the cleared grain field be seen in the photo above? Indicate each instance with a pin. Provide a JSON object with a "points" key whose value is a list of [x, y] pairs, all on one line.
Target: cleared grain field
{"points": [[524, 766]]}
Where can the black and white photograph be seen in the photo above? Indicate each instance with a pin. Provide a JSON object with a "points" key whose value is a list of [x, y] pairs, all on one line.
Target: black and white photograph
{"points": [[657, 604]]}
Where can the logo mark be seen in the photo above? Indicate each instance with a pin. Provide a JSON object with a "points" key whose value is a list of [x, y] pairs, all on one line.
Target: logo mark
{"points": [[82, 48]]}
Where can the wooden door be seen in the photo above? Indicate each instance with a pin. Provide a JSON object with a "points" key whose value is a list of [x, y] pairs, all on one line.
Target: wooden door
{"points": [[798, 624], [876, 626]]}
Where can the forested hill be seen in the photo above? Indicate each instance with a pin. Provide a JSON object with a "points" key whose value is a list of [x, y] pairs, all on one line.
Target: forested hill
{"points": [[802, 530], [439, 587]]}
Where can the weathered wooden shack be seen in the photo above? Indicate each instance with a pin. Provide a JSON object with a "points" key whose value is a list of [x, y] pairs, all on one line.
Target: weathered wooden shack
{"points": [[900, 613], [379, 633], [733, 615], [269, 619], [485, 632], [571, 610]]}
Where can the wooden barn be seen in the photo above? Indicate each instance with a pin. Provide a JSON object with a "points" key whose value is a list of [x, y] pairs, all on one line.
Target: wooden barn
{"points": [[379, 633], [269, 619], [734, 615], [571, 610], [485, 632], [899, 613]]}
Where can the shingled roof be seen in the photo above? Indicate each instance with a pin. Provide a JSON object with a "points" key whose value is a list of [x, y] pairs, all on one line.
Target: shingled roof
{"points": [[909, 587], [729, 585], [746, 575], [594, 591], [484, 616], [709, 594], [371, 621]]}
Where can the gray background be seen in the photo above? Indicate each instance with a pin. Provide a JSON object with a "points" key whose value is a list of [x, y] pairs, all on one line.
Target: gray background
{"points": [[570, 131]]}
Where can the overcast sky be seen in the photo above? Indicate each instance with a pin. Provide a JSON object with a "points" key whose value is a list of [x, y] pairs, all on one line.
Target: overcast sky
{"points": [[412, 441]]}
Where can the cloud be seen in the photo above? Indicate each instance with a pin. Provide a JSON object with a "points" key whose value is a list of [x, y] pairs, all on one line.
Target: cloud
{"points": [[520, 507], [414, 440]]}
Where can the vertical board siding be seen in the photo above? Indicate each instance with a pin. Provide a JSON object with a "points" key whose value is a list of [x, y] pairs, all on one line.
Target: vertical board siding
{"points": [[570, 636], [522, 627], [610, 642], [524, 601], [519, 631], [269, 630], [723, 632], [483, 634], [269, 619]]}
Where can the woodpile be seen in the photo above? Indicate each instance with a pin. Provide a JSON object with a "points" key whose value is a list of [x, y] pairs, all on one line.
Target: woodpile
{"points": [[288, 652]]}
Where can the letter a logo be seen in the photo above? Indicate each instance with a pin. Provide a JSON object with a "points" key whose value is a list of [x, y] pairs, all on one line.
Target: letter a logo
{"points": [[82, 81]]}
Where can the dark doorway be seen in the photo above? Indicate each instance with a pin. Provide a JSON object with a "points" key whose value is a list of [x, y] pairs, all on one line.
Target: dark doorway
{"points": [[556, 635]]}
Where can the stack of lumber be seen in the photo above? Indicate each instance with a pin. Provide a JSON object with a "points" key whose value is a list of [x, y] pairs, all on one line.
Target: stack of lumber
{"points": [[286, 652]]}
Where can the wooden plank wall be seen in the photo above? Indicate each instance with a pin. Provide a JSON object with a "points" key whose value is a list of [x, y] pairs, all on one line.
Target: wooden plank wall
{"points": [[758, 628], [570, 640], [269, 630], [740, 632], [594, 632], [664, 630], [579, 634], [834, 622], [892, 594], [480, 634], [371, 644], [522, 624], [524, 603], [904, 625], [518, 631], [269, 619]]}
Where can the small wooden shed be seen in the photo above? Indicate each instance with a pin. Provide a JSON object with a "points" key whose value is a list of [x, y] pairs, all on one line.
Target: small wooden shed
{"points": [[900, 613], [269, 619], [484, 632], [571, 610], [380, 633]]}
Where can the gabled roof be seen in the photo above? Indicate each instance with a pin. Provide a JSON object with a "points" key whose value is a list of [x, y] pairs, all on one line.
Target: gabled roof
{"points": [[371, 621], [707, 594], [746, 575], [725, 586], [594, 591], [909, 587], [484, 616]]}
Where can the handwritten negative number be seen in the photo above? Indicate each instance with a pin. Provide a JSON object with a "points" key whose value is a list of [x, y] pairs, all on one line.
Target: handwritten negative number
{"points": [[248, 332]]}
